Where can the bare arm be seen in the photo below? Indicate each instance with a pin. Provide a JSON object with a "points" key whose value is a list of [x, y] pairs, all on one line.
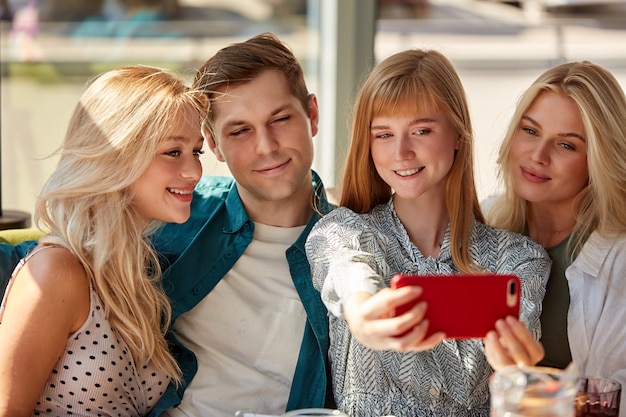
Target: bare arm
{"points": [[48, 301]]}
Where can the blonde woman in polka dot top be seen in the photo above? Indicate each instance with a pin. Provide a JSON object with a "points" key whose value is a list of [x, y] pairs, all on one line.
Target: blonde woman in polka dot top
{"points": [[82, 322]]}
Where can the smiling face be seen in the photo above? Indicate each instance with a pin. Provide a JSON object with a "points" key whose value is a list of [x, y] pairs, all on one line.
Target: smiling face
{"points": [[165, 189], [548, 155], [265, 137], [413, 153]]}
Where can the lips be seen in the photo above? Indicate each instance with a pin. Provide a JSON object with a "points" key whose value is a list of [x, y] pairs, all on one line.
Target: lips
{"points": [[409, 172], [182, 194], [533, 176], [272, 168], [180, 191]]}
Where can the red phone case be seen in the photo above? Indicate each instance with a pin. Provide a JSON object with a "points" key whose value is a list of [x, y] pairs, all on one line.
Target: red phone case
{"points": [[464, 306]]}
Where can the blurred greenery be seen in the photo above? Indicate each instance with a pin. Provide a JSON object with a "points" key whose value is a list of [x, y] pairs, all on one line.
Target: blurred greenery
{"points": [[62, 72]]}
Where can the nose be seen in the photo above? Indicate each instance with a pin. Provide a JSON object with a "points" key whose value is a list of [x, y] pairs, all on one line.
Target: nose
{"points": [[266, 143], [541, 152], [191, 168], [403, 149]]}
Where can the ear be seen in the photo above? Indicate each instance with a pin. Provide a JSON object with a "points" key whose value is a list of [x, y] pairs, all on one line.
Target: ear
{"points": [[206, 134], [314, 113]]}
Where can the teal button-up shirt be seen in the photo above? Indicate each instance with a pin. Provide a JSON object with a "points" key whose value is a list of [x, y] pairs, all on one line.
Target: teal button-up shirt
{"points": [[200, 252]]}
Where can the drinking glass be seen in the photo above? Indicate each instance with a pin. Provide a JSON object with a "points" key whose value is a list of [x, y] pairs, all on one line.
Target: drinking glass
{"points": [[533, 391], [597, 397], [314, 412]]}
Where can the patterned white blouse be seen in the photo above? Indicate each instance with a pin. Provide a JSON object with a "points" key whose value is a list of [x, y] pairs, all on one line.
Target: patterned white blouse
{"points": [[351, 253]]}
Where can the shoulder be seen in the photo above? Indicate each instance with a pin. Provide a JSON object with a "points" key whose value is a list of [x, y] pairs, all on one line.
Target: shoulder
{"points": [[210, 193], [211, 186], [344, 227], [602, 253], [48, 299], [336, 225], [54, 269], [508, 242], [341, 216], [52, 278], [605, 244]]}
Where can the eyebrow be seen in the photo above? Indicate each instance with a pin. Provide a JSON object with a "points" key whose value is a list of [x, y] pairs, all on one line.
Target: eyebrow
{"points": [[563, 134], [274, 112], [282, 108], [178, 138], [411, 123]]}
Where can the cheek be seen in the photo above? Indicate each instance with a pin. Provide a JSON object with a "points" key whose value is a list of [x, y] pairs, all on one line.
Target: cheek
{"points": [[218, 155], [578, 173], [235, 155], [515, 150], [378, 155], [443, 154]]}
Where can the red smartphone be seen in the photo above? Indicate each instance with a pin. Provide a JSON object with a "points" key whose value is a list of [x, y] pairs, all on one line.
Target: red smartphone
{"points": [[464, 306]]}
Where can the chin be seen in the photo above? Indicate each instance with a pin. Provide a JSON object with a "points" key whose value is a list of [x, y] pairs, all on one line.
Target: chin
{"points": [[178, 218], [181, 220]]}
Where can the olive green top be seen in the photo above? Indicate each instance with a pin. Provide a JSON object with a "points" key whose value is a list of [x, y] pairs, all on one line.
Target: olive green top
{"points": [[554, 309]]}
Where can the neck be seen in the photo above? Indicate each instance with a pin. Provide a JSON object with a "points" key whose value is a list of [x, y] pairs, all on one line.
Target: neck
{"points": [[295, 210], [549, 227], [425, 223]]}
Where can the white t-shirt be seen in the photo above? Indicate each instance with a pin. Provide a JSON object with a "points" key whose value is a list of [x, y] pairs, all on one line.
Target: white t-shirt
{"points": [[246, 333]]}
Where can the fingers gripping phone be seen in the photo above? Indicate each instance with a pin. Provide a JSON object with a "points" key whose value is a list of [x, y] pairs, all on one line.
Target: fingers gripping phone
{"points": [[464, 306]]}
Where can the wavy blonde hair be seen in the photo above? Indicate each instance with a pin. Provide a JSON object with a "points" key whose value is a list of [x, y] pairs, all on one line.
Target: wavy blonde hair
{"points": [[87, 204], [415, 79], [602, 105]]}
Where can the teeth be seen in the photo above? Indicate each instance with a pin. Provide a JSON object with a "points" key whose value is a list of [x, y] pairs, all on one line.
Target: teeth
{"points": [[177, 191], [409, 172]]}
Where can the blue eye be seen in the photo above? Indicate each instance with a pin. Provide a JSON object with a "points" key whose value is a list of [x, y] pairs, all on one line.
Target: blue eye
{"points": [[530, 131]]}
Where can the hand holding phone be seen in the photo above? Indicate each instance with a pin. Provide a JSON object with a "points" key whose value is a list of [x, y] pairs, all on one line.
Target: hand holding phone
{"points": [[464, 306]]}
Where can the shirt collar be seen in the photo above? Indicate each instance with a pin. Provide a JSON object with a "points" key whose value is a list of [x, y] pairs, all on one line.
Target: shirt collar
{"points": [[237, 217], [594, 254]]}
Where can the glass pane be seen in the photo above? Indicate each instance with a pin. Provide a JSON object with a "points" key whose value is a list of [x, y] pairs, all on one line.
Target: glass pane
{"points": [[500, 46], [51, 48]]}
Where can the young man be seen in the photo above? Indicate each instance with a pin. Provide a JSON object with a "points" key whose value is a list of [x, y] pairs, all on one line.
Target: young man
{"points": [[241, 290], [249, 330]]}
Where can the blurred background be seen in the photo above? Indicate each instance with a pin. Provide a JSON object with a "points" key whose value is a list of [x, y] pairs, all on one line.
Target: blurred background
{"points": [[50, 48]]}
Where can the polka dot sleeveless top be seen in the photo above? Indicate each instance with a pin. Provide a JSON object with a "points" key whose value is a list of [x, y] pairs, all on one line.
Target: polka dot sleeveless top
{"points": [[97, 376]]}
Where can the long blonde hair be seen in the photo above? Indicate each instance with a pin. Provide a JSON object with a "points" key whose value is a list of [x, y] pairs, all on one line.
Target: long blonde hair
{"points": [[86, 204], [600, 99], [415, 78]]}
